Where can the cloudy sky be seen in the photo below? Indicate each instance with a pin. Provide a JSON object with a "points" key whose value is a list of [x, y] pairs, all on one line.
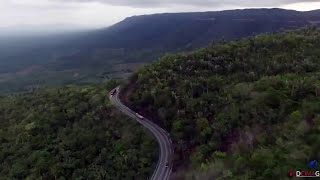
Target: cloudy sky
{"points": [[100, 13]]}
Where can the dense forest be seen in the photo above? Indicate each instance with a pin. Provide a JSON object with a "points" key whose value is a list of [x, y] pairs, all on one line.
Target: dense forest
{"points": [[71, 133], [247, 109]]}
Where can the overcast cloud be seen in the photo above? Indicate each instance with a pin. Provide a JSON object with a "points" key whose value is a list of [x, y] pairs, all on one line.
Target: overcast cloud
{"points": [[166, 3], [101, 13]]}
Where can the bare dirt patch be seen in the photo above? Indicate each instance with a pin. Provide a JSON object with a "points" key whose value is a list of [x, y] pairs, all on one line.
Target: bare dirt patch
{"points": [[30, 70], [4, 77], [128, 66], [314, 22]]}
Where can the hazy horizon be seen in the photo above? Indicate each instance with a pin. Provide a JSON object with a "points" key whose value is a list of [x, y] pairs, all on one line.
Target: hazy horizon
{"points": [[93, 14], [60, 28]]}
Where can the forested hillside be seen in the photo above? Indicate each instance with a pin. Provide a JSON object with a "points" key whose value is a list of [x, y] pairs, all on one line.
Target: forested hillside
{"points": [[71, 133], [92, 56], [248, 109]]}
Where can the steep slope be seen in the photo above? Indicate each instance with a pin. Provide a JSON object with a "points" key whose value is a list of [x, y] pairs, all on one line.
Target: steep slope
{"points": [[312, 15], [198, 29], [71, 133], [245, 110]]}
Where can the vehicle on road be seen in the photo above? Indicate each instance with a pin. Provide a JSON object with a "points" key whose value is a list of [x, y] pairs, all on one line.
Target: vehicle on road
{"points": [[113, 92], [163, 170], [139, 116], [167, 165]]}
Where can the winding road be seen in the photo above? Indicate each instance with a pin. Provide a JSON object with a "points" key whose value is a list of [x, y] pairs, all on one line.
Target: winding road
{"points": [[162, 172]]}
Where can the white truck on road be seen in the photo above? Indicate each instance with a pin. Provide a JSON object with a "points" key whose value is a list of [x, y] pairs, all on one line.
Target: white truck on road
{"points": [[139, 116]]}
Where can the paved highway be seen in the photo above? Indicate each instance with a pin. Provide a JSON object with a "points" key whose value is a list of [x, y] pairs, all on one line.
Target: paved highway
{"points": [[162, 172]]}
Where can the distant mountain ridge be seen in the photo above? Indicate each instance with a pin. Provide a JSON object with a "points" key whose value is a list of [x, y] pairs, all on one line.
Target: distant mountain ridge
{"points": [[120, 49], [177, 30]]}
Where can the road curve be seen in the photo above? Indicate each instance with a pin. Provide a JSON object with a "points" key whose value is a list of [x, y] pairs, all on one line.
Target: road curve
{"points": [[166, 149]]}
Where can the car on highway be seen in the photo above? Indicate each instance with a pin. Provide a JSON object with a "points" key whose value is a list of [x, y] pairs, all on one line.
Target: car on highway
{"points": [[167, 165], [113, 92], [139, 116]]}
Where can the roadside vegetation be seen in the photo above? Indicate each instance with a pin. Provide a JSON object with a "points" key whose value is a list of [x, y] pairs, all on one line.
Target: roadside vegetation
{"points": [[71, 133], [248, 109]]}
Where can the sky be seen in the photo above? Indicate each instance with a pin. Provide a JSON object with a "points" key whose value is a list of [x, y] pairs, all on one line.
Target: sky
{"points": [[102, 13]]}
